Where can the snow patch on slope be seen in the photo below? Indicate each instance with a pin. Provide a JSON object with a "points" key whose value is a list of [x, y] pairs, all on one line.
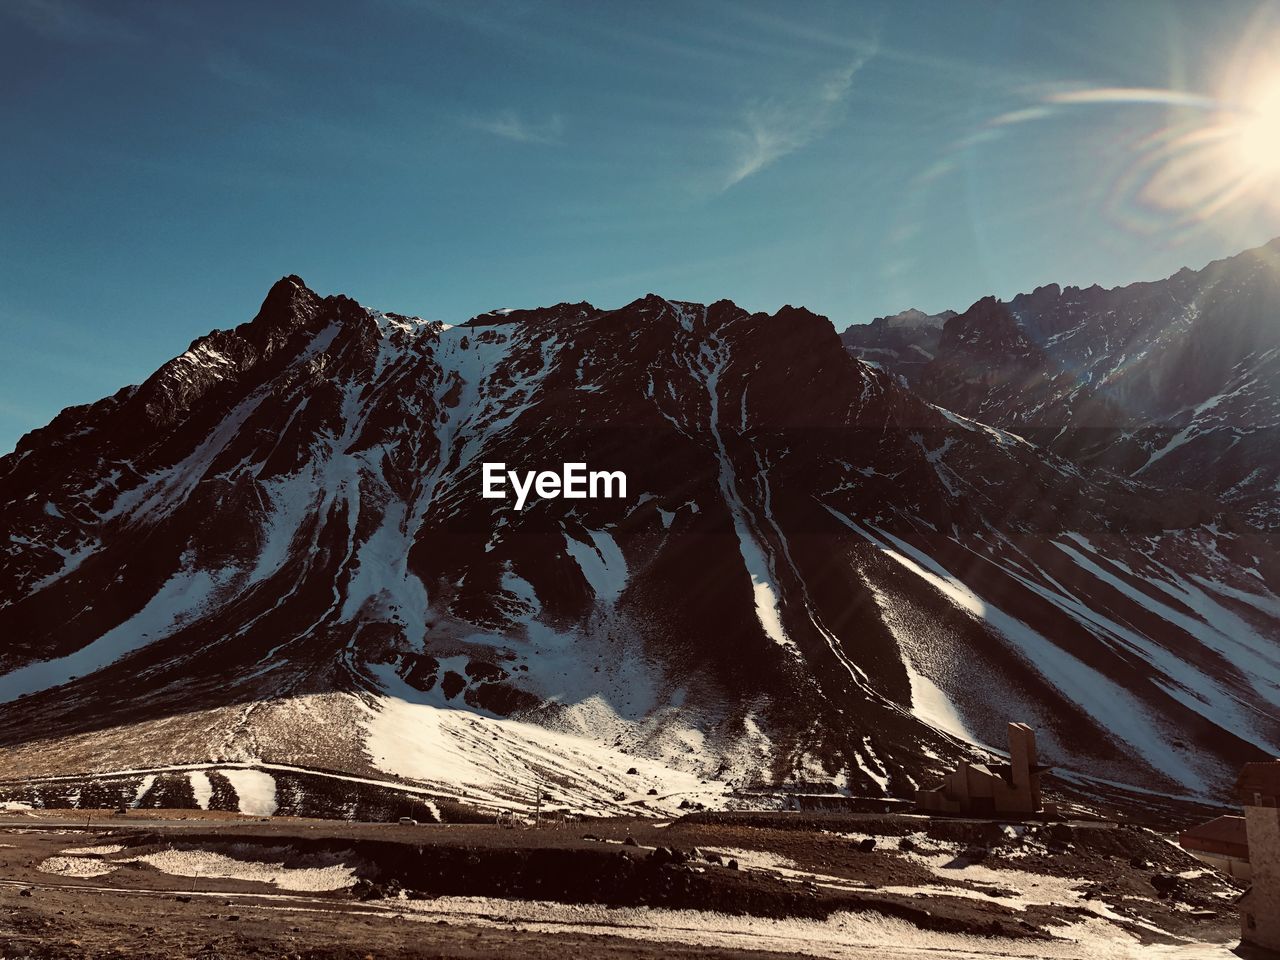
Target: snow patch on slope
{"points": [[255, 790], [201, 788], [929, 702], [1115, 708], [711, 363], [504, 763], [601, 563], [179, 602]]}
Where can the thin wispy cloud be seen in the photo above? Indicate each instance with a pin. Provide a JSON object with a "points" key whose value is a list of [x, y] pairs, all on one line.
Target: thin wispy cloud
{"points": [[511, 126], [67, 20], [771, 129]]}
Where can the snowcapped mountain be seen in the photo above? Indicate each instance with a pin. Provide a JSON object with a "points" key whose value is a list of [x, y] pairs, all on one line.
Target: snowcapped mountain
{"points": [[1175, 382], [901, 344], [275, 551]]}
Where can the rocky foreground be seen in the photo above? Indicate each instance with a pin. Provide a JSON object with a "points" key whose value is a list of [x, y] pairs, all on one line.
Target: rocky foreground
{"points": [[711, 884]]}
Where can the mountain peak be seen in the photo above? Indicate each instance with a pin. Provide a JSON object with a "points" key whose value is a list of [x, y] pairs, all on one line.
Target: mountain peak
{"points": [[285, 301], [291, 280]]}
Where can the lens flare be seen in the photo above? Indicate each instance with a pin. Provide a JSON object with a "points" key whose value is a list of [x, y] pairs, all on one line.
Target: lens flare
{"points": [[1164, 163], [1212, 153], [1258, 135]]}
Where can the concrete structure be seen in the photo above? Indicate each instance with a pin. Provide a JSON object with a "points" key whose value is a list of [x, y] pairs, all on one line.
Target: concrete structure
{"points": [[983, 789], [1222, 843], [1259, 790]]}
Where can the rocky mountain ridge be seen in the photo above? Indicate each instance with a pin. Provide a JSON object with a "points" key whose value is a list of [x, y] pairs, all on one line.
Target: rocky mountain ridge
{"points": [[275, 550], [1175, 381], [901, 344]]}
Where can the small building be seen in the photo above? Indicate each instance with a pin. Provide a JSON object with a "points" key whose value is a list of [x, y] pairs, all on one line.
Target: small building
{"points": [[987, 789], [1223, 843], [1259, 790]]}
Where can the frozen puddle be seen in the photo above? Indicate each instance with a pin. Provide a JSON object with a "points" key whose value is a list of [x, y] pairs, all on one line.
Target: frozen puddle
{"points": [[312, 873], [843, 935]]}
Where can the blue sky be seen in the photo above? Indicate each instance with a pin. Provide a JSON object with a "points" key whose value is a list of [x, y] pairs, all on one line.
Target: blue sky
{"points": [[166, 162]]}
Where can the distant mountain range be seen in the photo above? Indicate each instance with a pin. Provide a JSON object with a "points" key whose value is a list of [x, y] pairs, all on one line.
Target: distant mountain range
{"points": [[826, 571], [900, 344], [1174, 382]]}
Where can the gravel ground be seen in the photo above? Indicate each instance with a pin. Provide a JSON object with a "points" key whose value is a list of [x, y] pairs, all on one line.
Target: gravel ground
{"points": [[843, 887]]}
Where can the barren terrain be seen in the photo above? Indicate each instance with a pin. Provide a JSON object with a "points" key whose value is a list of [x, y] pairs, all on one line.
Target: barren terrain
{"points": [[178, 884]]}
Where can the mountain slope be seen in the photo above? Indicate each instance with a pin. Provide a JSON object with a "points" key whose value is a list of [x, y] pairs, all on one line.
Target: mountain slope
{"points": [[1176, 382], [276, 550], [901, 344]]}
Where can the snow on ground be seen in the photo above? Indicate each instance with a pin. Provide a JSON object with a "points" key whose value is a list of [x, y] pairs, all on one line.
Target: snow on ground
{"points": [[754, 859], [1212, 624], [1019, 889], [255, 790], [520, 588], [71, 560], [710, 363], [144, 786], [77, 867], [201, 788], [603, 713], [1193, 427], [601, 563], [1211, 693], [222, 767], [872, 766], [382, 573], [929, 702], [504, 763], [604, 690], [1115, 708], [999, 883], [170, 488], [258, 865], [470, 357], [82, 862], [856, 936]]}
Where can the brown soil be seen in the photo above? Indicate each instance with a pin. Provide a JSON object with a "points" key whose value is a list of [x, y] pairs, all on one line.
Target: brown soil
{"points": [[139, 911]]}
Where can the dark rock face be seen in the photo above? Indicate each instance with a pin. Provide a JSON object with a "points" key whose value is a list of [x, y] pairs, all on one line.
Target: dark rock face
{"points": [[1175, 382], [277, 549], [902, 344]]}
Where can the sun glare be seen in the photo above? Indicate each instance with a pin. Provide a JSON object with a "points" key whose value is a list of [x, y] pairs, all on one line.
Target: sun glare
{"points": [[1216, 152], [1258, 139]]}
